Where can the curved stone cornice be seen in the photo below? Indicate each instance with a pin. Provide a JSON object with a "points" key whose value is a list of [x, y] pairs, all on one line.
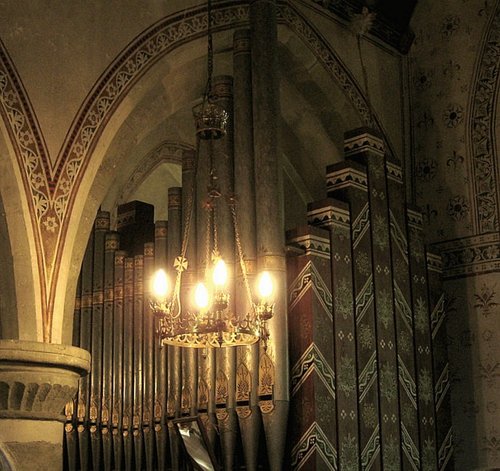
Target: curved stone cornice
{"points": [[38, 379], [167, 151]]}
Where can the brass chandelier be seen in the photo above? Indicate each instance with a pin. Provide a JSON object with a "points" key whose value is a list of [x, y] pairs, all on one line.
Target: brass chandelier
{"points": [[212, 323]]}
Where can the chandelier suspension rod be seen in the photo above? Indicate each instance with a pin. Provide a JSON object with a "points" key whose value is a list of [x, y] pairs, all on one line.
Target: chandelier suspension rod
{"points": [[210, 54]]}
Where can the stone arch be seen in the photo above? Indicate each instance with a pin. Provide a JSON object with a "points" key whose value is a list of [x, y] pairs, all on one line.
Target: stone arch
{"points": [[21, 303], [61, 214], [9, 327], [97, 116], [6, 461], [483, 145], [167, 151]]}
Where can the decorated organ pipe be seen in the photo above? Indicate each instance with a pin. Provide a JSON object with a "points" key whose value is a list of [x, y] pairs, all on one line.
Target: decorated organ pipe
{"points": [[138, 364], [173, 353], [160, 357], [83, 400], [118, 326], [226, 357], [354, 190], [273, 366], [128, 359], [148, 360], [111, 247], [189, 362], [247, 378], [206, 358], [70, 442], [101, 227], [441, 374]]}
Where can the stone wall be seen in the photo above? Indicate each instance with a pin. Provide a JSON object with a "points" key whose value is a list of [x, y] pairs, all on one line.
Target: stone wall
{"points": [[454, 81]]}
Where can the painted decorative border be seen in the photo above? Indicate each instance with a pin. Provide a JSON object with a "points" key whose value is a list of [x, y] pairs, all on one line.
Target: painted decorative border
{"points": [[482, 143], [364, 299], [415, 219], [398, 236], [340, 176], [438, 315], [310, 244], [167, 151], [363, 142], [309, 277], [441, 387], [314, 439], [407, 382], [360, 225], [371, 450], [403, 308], [410, 449], [312, 360], [394, 172], [470, 256], [335, 215], [445, 451], [367, 376]]}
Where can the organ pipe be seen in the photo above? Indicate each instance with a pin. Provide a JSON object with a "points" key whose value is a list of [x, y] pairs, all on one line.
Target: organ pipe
{"points": [[384, 307]]}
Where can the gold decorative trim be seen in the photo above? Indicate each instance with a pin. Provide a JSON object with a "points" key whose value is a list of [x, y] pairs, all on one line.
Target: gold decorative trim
{"points": [[364, 142]]}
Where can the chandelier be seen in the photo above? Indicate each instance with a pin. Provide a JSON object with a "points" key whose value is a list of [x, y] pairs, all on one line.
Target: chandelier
{"points": [[212, 322]]}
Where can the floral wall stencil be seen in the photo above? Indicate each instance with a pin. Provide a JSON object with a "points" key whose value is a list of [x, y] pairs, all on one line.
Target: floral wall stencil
{"points": [[454, 80], [474, 352], [447, 59]]}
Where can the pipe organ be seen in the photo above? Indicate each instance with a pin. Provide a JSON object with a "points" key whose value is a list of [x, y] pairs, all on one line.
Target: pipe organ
{"points": [[367, 354], [368, 364]]}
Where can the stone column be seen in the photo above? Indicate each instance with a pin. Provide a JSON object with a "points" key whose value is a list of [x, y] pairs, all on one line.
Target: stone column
{"points": [[269, 216], [36, 381]]}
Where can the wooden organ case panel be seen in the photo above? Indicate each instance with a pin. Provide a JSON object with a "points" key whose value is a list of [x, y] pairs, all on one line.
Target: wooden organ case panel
{"points": [[369, 381]]}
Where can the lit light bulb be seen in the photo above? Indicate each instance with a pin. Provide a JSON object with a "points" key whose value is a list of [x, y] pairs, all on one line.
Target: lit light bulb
{"points": [[265, 285], [160, 284], [201, 296], [220, 273]]}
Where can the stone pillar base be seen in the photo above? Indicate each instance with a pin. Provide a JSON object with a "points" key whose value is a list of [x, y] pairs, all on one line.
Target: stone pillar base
{"points": [[36, 381]]}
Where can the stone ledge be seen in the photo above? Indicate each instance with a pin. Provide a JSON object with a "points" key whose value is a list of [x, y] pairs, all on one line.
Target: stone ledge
{"points": [[45, 354], [38, 379]]}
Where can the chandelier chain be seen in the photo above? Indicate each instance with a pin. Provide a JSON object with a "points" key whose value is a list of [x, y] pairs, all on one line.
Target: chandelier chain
{"points": [[239, 248], [207, 237], [210, 55], [185, 238]]}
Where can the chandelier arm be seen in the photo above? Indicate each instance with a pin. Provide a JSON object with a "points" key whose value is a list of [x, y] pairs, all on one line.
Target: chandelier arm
{"points": [[185, 239], [208, 237]]}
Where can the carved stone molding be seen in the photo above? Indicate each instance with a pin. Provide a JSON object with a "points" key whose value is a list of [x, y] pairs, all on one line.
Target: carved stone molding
{"points": [[484, 167], [167, 151], [38, 379], [469, 255]]}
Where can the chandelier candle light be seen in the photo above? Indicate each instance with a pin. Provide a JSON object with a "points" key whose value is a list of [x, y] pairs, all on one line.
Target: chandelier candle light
{"points": [[211, 322]]}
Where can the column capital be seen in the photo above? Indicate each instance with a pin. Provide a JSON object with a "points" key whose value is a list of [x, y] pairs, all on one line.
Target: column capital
{"points": [[38, 379]]}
